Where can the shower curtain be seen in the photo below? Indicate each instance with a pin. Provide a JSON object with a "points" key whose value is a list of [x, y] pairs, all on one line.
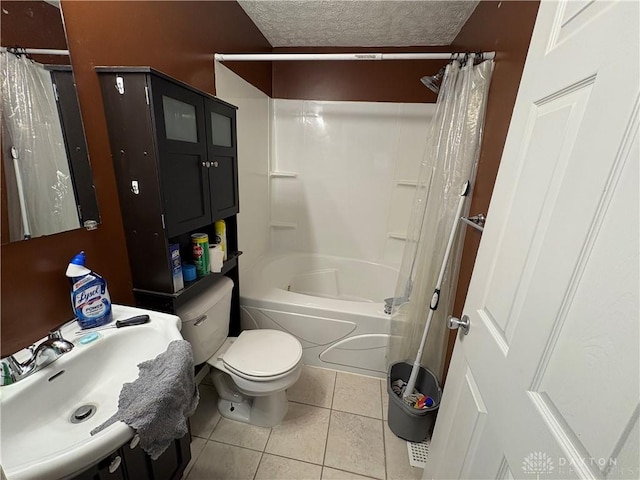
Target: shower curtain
{"points": [[32, 125], [450, 160]]}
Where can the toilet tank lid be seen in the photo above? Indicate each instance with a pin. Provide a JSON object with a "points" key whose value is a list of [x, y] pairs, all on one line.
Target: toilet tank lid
{"points": [[199, 305]]}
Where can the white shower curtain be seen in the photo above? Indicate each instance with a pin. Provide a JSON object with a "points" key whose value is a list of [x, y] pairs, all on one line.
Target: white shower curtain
{"points": [[450, 160], [32, 125]]}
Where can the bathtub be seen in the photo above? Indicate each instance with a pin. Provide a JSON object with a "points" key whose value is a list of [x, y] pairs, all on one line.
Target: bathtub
{"points": [[333, 305]]}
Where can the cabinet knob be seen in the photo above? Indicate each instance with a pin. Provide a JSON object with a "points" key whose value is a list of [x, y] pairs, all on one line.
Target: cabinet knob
{"points": [[208, 164], [215, 164], [135, 441], [204, 164], [115, 463]]}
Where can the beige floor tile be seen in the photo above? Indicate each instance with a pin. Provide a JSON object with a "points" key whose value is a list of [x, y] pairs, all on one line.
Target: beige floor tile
{"points": [[241, 434], [355, 444], [302, 434], [197, 444], [279, 468], [206, 416], [358, 394], [333, 474], [385, 399], [225, 462], [398, 466], [314, 387]]}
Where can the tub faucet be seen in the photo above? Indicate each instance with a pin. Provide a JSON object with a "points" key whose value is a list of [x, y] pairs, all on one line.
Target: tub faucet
{"points": [[44, 354], [388, 303]]}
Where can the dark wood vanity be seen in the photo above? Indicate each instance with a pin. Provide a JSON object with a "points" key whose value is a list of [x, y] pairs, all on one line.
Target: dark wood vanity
{"points": [[130, 462]]}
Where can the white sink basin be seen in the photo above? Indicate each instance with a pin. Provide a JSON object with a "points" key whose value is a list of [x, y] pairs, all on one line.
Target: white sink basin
{"points": [[37, 436]]}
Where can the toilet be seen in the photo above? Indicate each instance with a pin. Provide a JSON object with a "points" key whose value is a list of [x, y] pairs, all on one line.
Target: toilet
{"points": [[251, 372]]}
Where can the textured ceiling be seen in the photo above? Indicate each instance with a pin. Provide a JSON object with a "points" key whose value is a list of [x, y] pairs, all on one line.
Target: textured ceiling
{"points": [[354, 23]]}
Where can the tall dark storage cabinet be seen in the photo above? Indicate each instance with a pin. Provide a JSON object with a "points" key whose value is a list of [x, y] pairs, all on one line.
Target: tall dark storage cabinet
{"points": [[174, 152]]}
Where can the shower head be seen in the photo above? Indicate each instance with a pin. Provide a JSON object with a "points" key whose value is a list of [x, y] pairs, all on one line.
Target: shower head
{"points": [[433, 82]]}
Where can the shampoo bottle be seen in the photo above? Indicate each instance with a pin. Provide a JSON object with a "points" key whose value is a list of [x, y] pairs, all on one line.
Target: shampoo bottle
{"points": [[89, 295]]}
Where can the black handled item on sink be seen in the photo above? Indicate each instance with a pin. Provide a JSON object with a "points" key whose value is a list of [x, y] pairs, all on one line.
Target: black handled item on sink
{"points": [[127, 322]]}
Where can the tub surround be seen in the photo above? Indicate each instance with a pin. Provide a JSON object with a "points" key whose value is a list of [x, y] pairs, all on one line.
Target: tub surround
{"points": [[253, 120], [343, 176]]}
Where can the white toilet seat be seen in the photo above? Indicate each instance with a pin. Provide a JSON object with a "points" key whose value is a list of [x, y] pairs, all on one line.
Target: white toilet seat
{"points": [[263, 355], [273, 378], [231, 370]]}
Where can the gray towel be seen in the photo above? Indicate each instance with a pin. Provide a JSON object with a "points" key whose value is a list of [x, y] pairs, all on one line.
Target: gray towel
{"points": [[159, 401]]}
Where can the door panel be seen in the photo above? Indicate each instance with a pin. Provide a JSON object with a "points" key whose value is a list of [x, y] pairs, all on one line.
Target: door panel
{"points": [[554, 298]]}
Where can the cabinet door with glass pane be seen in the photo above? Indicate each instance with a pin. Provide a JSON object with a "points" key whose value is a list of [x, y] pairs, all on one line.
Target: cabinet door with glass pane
{"points": [[182, 150], [222, 158]]}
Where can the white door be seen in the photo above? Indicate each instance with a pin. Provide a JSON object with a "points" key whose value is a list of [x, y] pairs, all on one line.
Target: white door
{"points": [[546, 383]]}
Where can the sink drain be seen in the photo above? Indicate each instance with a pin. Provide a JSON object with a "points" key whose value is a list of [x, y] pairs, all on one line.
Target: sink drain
{"points": [[85, 412]]}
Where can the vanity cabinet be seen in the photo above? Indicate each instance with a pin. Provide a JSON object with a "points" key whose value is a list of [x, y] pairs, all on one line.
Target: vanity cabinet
{"points": [[174, 151], [130, 462]]}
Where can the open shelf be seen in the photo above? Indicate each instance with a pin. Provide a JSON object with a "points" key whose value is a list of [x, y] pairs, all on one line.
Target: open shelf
{"points": [[156, 300]]}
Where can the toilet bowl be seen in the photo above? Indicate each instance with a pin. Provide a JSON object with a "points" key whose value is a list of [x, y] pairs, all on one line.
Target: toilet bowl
{"points": [[251, 372], [261, 365]]}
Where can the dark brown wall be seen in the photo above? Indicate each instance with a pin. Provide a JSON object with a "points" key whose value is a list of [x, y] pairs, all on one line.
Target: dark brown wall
{"points": [[365, 81], [505, 27], [34, 25], [177, 38]]}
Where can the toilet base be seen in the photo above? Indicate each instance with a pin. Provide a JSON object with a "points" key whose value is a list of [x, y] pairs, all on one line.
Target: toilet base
{"points": [[267, 411], [263, 411]]}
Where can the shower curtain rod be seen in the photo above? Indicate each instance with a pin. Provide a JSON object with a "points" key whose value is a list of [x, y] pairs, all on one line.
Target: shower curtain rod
{"points": [[275, 57], [39, 51]]}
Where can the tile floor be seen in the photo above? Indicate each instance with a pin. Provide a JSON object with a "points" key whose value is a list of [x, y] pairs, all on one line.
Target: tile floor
{"points": [[335, 429]]}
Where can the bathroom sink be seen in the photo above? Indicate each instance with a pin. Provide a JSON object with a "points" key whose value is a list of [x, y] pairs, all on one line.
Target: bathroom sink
{"points": [[40, 436]]}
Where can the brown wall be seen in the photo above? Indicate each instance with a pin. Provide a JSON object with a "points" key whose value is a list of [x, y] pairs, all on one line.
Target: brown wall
{"points": [[364, 81], [504, 27], [33, 24], [177, 38]]}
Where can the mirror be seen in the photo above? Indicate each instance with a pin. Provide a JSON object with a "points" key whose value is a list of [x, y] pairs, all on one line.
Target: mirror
{"points": [[47, 184]]}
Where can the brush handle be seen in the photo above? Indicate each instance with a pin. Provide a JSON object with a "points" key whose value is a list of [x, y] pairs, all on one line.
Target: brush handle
{"points": [[138, 320]]}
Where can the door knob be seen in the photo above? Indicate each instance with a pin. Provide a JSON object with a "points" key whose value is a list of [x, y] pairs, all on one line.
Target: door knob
{"points": [[463, 323]]}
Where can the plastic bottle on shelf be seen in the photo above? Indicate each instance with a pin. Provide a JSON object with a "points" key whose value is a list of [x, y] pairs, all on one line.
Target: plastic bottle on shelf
{"points": [[221, 236]]}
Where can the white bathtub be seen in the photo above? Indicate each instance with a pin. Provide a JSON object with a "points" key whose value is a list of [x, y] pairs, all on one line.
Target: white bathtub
{"points": [[333, 305]]}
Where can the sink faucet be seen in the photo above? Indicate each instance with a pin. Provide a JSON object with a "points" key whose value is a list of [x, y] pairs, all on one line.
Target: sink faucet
{"points": [[45, 353]]}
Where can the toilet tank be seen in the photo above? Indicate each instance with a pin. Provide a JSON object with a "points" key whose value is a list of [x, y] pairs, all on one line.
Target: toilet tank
{"points": [[205, 319]]}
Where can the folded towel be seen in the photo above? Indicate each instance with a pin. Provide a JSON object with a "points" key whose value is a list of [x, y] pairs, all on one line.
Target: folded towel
{"points": [[159, 401]]}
